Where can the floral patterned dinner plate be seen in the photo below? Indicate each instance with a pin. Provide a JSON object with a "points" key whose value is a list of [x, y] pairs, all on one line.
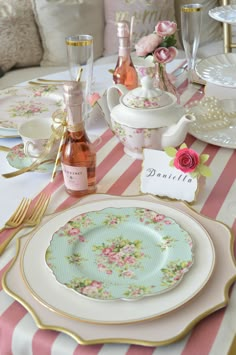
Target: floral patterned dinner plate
{"points": [[42, 283], [17, 159], [120, 253], [21, 103]]}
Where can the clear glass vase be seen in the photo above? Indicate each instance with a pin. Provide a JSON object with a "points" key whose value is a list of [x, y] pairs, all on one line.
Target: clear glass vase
{"points": [[164, 79]]}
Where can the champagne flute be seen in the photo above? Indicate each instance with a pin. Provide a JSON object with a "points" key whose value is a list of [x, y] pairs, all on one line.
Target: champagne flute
{"points": [[191, 18], [80, 62]]}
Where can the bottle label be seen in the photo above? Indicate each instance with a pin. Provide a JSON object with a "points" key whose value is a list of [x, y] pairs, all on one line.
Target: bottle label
{"points": [[75, 178]]}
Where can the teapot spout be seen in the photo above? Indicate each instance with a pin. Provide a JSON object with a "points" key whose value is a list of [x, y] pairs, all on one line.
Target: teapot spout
{"points": [[175, 134]]}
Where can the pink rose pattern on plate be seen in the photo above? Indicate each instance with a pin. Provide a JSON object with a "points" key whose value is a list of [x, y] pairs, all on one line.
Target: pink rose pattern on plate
{"points": [[22, 103], [120, 253], [17, 159]]}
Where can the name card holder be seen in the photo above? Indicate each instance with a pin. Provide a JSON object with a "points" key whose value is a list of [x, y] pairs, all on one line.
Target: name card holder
{"points": [[161, 178]]}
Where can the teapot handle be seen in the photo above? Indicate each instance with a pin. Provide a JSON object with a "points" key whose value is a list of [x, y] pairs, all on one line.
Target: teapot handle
{"points": [[113, 95]]}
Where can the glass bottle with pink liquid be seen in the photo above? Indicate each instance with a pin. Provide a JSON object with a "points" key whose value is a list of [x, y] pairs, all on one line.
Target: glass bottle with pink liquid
{"points": [[78, 157], [125, 72]]}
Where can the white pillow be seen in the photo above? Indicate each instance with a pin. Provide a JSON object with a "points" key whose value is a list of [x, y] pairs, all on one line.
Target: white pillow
{"points": [[20, 44], [147, 13], [58, 19]]}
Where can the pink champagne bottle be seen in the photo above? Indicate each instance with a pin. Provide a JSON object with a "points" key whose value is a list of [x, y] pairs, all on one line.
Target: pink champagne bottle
{"points": [[78, 157], [125, 72]]}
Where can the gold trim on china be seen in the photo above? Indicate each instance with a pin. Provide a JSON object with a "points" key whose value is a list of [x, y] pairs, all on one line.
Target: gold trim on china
{"points": [[82, 341], [190, 9], [82, 43], [11, 136]]}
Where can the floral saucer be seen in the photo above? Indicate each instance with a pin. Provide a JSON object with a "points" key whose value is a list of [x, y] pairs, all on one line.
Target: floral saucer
{"points": [[17, 159], [120, 253]]}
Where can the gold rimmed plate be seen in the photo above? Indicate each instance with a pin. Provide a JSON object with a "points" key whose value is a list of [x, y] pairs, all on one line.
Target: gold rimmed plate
{"points": [[42, 283], [162, 331]]}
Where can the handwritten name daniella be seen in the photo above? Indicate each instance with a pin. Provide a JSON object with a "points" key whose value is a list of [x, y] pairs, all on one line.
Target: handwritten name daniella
{"points": [[151, 172]]}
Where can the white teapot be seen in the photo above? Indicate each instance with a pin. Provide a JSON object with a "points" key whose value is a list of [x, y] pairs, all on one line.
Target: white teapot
{"points": [[146, 117]]}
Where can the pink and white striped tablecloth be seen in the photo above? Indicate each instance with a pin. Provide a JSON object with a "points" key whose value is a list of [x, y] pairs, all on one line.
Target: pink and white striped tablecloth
{"points": [[118, 174]]}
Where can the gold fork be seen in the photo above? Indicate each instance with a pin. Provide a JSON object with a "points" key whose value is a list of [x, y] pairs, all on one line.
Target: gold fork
{"points": [[31, 167], [18, 216], [33, 219]]}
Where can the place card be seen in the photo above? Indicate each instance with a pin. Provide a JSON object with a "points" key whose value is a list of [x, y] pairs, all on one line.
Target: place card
{"points": [[173, 173]]}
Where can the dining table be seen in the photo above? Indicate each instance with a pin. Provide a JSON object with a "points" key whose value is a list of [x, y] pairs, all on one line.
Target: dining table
{"points": [[27, 326]]}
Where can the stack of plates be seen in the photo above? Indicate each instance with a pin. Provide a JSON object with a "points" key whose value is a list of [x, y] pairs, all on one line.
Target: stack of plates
{"points": [[219, 71], [133, 266]]}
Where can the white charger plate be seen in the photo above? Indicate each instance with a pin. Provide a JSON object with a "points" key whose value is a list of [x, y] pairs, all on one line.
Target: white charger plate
{"points": [[225, 14], [42, 284], [219, 69], [20, 103]]}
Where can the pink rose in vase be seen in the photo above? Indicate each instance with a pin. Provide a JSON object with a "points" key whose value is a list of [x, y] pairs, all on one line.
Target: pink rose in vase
{"points": [[164, 55], [165, 28], [147, 44]]}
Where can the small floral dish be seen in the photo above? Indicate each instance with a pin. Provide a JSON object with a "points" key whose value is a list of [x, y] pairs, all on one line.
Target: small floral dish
{"points": [[19, 104], [120, 253], [17, 159]]}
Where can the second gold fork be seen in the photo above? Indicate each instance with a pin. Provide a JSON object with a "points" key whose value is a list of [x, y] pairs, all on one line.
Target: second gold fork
{"points": [[33, 219]]}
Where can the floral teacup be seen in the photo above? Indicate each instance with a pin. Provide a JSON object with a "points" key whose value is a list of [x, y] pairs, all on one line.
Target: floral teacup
{"points": [[35, 134]]}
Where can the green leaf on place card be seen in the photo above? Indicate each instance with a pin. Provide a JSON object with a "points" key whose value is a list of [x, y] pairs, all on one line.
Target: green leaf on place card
{"points": [[184, 145], [203, 158], [170, 151], [194, 174], [204, 170]]}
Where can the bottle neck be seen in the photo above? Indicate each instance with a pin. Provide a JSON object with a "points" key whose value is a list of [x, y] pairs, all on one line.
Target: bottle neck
{"points": [[74, 118], [124, 47]]}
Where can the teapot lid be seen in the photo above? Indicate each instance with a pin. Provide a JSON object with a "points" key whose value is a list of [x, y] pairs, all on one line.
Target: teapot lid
{"points": [[146, 96]]}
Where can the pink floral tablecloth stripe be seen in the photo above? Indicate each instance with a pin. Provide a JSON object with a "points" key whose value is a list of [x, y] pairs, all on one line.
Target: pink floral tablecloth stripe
{"points": [[116, 174]]}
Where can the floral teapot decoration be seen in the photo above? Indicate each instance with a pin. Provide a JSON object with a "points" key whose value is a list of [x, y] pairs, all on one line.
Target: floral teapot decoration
{"points": [[146, 117]]}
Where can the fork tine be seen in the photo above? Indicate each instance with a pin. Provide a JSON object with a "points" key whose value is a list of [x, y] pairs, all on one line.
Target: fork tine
{"points": [[44, 207], [42, 201], [21, 211], [32, 220], [18, 216]]}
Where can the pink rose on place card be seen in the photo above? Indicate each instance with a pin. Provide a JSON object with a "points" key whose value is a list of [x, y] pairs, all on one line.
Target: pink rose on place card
{"points": [[186, 160]]}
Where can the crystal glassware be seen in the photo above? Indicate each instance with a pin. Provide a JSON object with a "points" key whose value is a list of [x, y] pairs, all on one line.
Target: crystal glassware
{"points": [[191, 19], [80, 62]]}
